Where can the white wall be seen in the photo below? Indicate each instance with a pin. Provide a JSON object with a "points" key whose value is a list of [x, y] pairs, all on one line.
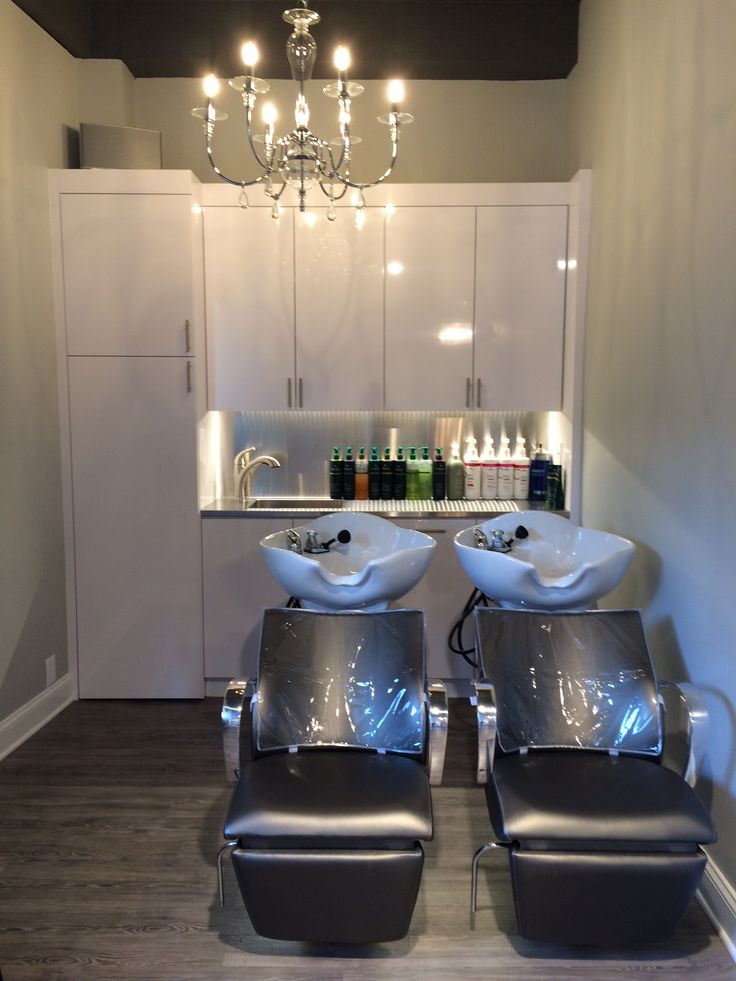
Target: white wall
{"points": [[464, 131], [38, 116], [653, 112]]}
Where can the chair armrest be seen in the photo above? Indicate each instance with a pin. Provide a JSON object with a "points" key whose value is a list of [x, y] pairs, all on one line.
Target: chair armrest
{"points": [[485, 701], [439, 718], [237, 693], [685, 729]]}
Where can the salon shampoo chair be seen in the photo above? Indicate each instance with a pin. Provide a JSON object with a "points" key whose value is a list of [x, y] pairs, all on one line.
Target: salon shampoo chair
{"points": [[326, 821], [584, 787]]}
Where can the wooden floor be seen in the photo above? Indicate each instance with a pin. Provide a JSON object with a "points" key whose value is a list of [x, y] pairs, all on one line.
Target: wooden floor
{"points": [[110, 820]]}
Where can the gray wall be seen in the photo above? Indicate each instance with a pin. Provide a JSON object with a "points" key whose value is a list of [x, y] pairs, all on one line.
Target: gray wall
{"points": [[38, 100], [464, 131], [653, 112]]}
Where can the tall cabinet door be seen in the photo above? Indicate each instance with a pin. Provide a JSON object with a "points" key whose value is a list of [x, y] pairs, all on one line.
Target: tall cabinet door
{"points": [[249, 294], [520, 307], [139, 589], [339, 311], [430, 272], [127, 273]]}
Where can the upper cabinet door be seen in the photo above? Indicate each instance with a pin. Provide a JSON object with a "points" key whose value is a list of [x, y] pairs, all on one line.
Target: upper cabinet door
{"points": [[127, 273], [339, 311], [520, 307], [429, 307], [249, 298]]}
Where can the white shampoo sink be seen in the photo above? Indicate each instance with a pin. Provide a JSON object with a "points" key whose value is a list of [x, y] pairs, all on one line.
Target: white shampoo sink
{"points": [[380, 563], [559, 566]]}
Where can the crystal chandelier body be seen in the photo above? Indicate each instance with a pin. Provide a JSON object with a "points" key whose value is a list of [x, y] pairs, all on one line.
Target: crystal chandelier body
{"points": [[300, 159]]}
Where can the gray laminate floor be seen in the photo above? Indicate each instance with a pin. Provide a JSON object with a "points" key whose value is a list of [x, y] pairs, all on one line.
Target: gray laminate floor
{"points": [[110, 820]]}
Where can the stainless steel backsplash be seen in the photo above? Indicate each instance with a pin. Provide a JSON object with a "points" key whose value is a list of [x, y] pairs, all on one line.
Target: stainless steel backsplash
{"points": [[302, 442]]}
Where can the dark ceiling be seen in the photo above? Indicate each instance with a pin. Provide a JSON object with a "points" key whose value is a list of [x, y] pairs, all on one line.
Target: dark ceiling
{"points": [[461, 39]]}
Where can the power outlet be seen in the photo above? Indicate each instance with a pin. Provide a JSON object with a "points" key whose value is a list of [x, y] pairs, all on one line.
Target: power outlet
{"points": [[50, 670]]}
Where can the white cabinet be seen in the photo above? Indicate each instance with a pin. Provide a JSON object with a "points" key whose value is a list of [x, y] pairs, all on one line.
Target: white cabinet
{"points": [[136, 528], [237, 588], [128, 290], [429, 307], [475, 307], [249, 291], [294, 310], [127, 273], [521, 255], [442, 594], [339, 311]]}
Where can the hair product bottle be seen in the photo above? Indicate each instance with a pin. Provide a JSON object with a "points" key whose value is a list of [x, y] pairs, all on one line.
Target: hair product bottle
{"points": [[425, 475], [336, 468], [472, 470], [361, 476], [412, 476], [521, 464], [387, 475], [455, 474], [374, 475], [439, 476], [348, 475], [399, 475], [505, 471], [538, 474], [488, 472]]}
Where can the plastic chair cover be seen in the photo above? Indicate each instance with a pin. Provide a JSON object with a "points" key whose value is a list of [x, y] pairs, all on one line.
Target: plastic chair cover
{"points": [[341, 679], [570, 680]]}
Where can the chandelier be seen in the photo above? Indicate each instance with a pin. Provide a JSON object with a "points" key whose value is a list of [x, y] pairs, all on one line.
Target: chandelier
{"points": [[300, 159]]}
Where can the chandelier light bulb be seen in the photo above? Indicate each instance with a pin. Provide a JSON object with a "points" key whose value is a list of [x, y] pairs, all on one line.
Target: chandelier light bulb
{"points": [[249, 54], [269, 114], [395, 91], [211, 86], [342, 58]]}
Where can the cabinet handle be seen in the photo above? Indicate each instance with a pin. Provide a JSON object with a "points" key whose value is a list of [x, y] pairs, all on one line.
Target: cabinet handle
{"points": [[187, 339], [432, 531], [468, 390], [477, 399], [288, 392], [301, 394], [189, 377]]}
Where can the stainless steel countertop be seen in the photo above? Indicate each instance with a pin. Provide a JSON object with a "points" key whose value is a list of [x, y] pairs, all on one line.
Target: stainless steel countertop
{"points": [[230, 507]]}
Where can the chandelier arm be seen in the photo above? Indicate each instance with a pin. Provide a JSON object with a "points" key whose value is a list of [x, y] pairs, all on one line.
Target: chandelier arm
{"points": [[386, 174], [230, 180]]}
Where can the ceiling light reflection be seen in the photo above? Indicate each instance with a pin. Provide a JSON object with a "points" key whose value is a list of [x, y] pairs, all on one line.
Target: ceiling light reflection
{"points": [[456, 334]]}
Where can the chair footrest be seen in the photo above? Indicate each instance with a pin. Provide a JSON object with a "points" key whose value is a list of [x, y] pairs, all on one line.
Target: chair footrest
{"points": [[579, 898], [329, 896]]}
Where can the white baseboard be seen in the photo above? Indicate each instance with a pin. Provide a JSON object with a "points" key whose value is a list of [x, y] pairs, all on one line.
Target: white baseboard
{"points": [[35, 714], [718, 898]]}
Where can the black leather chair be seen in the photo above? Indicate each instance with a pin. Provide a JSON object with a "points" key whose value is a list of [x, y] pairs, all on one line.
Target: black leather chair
{"points": [[602, 828], [326, 820]]}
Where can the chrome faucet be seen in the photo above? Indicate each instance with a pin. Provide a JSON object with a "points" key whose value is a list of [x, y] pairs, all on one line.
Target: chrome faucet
{"points": [[245, 467]]}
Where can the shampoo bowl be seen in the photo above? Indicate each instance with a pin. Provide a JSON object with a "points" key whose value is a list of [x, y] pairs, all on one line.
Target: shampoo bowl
{"points": [[379, 563], [559, 566]]}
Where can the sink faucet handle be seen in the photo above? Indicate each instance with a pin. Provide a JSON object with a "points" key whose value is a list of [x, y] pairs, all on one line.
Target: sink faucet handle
{"points": [[313, 541]]}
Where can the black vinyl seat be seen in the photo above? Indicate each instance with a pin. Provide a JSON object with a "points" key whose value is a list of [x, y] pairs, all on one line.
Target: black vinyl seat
{"points": [[603, 839], [326, 820]]}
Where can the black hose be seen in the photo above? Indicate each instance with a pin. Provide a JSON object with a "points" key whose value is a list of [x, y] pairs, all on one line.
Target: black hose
{"points": [[455, 639]]}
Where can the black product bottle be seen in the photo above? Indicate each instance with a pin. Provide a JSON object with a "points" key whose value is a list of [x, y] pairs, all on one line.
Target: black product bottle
{"points": [[439, 476], [538, 475], [399, 475], [348, 475], [336, 468], [374, 475], [387, 475]]}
